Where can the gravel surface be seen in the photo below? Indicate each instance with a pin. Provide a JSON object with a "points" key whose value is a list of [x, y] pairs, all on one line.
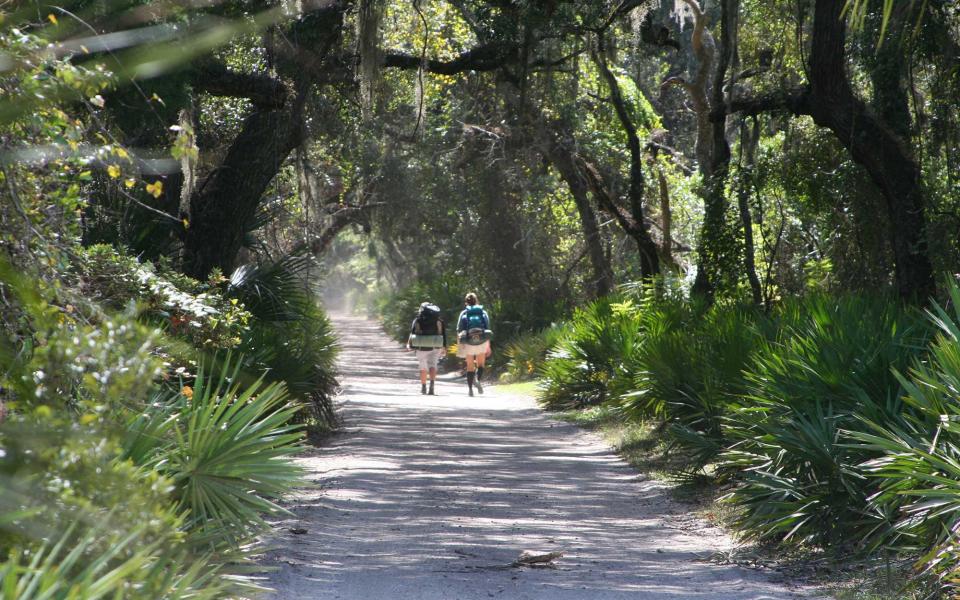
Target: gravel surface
{"points": [[435, 497]]}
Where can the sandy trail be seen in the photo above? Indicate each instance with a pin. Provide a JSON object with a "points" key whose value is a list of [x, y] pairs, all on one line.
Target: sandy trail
{"points": [[431, 497]]}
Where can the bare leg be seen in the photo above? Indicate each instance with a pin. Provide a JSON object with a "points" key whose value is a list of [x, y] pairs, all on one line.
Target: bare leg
{"points": [[433, 379]]}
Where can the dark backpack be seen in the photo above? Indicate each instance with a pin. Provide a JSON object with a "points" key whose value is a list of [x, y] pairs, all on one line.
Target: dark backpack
{"points": [[428, 319]]}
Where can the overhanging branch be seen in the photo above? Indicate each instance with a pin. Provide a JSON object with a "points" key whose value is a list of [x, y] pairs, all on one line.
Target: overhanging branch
{"points": [[216, 79], [482, 58], [795, 101]]}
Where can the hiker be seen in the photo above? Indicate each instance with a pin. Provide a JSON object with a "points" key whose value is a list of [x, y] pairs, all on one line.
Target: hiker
{"points": [[428, 336], [473, 340]]}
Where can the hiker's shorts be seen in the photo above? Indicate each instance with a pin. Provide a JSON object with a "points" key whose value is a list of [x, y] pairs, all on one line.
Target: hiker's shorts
{"points": [[428, 358], [465, 350]]}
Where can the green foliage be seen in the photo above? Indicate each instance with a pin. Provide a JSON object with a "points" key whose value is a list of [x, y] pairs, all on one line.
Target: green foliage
{"points": [[291, 340], [527, 353], [800, 411], [661, 358], [591, 363], [131, 567], [226, 446], [301, 354], [198, 312], [690, 370], [112, 486], [798, 479], [917, 454]]}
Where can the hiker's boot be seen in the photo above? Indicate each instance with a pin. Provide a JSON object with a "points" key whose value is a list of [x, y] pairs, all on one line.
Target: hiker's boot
{"points": [[479, 376], [423, 388], [431, 389], [470, 378]]}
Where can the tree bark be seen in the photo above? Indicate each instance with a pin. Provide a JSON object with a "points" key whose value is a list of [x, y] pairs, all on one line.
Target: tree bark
{"points": [[666, 220], [872, 142], [749, 138], [227, 201], [562, 159], [833, 104], [717, 250], [649, 259], [216, 79]]}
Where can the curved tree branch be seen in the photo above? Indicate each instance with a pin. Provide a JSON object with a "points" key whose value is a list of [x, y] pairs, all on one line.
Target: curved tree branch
{"points": [[216, 79], [487, 57], [649, 260]]}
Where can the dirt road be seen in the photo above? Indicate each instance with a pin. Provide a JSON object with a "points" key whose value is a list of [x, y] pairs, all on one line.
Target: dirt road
{"points": [[433, 498]]}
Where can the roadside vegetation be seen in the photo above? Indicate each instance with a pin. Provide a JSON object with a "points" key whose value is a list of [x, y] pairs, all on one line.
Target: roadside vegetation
{"points": [[725, 230], [824, 425], [149, 420]]}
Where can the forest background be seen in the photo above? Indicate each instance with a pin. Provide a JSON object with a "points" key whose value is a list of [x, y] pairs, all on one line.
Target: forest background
{"points": [[732, 223]]}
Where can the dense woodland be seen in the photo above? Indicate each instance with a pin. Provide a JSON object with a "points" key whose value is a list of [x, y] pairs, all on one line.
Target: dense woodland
{"points": [[733, 222]]}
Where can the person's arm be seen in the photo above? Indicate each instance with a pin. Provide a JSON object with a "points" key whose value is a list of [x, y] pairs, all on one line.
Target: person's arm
{"points": [[443, 332], [413, 328]]}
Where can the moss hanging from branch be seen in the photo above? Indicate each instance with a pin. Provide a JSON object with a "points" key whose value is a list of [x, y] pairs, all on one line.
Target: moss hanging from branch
{"points": [[369, 17]]}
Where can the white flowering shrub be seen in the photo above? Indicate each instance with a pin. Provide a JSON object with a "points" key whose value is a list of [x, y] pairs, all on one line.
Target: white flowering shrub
{"points": [[178, 304]]}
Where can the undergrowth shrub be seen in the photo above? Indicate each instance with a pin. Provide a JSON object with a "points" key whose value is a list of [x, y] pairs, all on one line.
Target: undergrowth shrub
{"points": [[197, 311], [290, 338], [114, 482], [225, 446], [689, 370], [832, 421], [916, 463], [527, 353], [90, 344], [591, 362], [798, 479]]}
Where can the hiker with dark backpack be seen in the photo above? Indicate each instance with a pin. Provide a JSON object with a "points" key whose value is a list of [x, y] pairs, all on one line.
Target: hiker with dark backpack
{"points": [[428, 336], [473, 340]]}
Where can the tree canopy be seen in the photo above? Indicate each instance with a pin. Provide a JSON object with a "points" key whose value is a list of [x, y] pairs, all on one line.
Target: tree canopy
{"points": [[210, 168]]}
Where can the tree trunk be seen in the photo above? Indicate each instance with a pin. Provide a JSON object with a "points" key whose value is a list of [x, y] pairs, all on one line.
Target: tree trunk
{"points": [[749, 138], [563, 161], [666, 221], [649, 259], [833, 104], [224, 205], [717, 252], [227, 202]]}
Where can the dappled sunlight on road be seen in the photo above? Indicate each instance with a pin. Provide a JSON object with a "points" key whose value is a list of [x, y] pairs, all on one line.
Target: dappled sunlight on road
{"points": [[433, 497]]}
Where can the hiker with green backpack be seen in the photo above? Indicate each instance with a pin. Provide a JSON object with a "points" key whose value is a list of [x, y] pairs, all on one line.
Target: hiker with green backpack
{"points": [[428, 336], [473, 340]]}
